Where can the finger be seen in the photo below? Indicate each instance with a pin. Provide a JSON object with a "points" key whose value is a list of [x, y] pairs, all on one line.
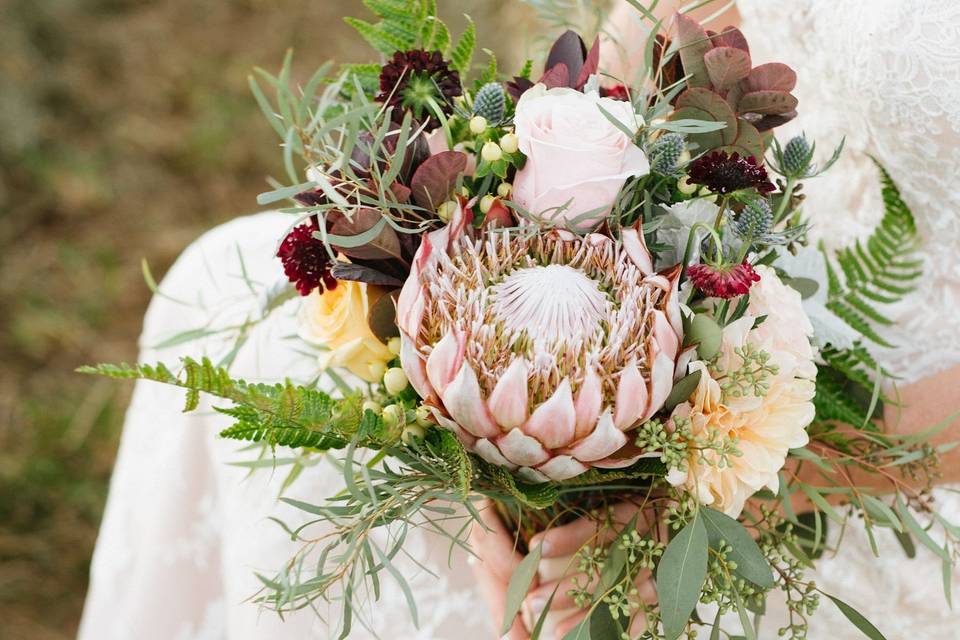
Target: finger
{"points": [[494, 546], [569, 538], [536, 600], [564, 626]]}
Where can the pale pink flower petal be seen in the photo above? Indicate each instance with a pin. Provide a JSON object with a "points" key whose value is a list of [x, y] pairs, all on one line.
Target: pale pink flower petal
{"points": [[631, 396], [661, 380], [445, 360], [521, 449], [588, 404], [664, 334], [561, 468], [413, 365], [489, 452], [464, 403], [605, 440], [553, 422], [466, 438], [636, 246], [508, 402]]}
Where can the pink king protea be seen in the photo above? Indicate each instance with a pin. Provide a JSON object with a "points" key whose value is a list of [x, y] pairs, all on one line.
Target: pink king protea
{"points": [[540, 350]]}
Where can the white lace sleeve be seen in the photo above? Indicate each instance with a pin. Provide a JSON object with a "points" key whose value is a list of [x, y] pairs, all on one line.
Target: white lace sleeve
{"points": [[184, 532], [884, 74]]}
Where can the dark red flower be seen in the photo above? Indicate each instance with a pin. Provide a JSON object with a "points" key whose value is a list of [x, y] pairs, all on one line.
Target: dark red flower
{"points": [[725, 282], [305, 259], [412, 78], [617, 92], [722, 173]]}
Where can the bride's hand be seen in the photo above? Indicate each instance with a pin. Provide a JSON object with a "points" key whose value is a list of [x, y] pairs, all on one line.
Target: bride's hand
{"points": [[496, 560], [558, 548]]}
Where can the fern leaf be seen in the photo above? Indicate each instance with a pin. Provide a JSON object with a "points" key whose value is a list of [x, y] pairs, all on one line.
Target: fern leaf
{"points": [[462, 53], [879, 270]]}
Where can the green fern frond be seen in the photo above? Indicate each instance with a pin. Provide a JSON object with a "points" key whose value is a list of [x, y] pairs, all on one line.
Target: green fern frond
{"points": [[462, 52], [834, 402], [879, 270], [281, 414]]}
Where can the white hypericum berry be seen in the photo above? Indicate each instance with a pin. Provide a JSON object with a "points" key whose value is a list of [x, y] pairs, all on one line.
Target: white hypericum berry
{"points": [[370, 405], [394, 345], [510, 143], [423, 416], [478, 124], [504, 189], [395, 380], [377, 369], [392, 415], [445, 210], [686, 187], [486, 202], [491, 152], [412, 431]]}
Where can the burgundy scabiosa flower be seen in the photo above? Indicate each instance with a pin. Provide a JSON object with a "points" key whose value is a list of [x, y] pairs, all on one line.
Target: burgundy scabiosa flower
{"points": [[722, 173], [723, 282], [305, 259], [412, 78]]}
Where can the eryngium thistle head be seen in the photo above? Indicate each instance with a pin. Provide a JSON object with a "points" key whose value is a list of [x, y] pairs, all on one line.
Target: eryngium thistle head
{"points": [[665, 153], [797, 156], [755, 220], [540, 350], [490, 102]]}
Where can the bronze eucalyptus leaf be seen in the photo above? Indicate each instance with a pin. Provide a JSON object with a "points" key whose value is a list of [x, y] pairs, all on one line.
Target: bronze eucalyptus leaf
{"points": [[382, 316]]}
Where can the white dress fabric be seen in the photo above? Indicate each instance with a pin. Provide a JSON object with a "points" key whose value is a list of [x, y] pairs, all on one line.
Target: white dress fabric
{"points": [[885, 74], [184, 532]]}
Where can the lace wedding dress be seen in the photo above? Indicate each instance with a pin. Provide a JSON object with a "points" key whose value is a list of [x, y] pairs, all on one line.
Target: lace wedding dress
{"points": [[185, 532]]}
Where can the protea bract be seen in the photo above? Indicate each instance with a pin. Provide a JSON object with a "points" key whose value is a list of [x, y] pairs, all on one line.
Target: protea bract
{"points": [[540, 350]]}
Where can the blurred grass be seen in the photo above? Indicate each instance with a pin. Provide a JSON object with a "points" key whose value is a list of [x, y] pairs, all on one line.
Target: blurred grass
{"points": [[126, 130]]}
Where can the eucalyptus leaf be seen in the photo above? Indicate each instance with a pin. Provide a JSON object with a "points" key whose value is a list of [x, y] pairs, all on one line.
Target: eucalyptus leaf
{"points": [[680, 576], [519, 585], [857, 619], [751, 563], [682, 390]]}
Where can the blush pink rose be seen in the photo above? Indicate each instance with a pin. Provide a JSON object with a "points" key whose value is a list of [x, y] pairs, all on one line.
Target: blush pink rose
{"points": [[577, 159]]}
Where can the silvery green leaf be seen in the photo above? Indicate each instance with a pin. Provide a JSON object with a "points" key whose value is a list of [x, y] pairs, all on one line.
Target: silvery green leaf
{"points": [[676, 226], [857, 619], [519, 585], [751, 563], [680, 576]]}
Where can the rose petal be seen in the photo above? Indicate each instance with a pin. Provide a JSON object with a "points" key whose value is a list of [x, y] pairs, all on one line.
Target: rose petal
{"points": [[588, 404], [553, 422], [463, 401], [631, 396], [446, 359], [561, 468], [508, 402], [521, 449], [604, 441]]}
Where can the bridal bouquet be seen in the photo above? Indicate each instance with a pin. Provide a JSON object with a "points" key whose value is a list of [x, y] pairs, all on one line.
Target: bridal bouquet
{"points": [[558, 292]]}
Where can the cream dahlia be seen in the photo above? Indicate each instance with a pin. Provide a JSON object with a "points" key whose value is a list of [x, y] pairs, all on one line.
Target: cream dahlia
{"points": [[540, 350], [764, 414]]}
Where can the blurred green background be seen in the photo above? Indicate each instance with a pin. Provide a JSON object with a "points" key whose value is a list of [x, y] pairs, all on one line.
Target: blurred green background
{"points": [[126, 130]]}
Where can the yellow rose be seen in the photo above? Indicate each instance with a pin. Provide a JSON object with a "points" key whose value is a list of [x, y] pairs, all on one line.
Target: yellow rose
{"points": [[337, 320]]}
